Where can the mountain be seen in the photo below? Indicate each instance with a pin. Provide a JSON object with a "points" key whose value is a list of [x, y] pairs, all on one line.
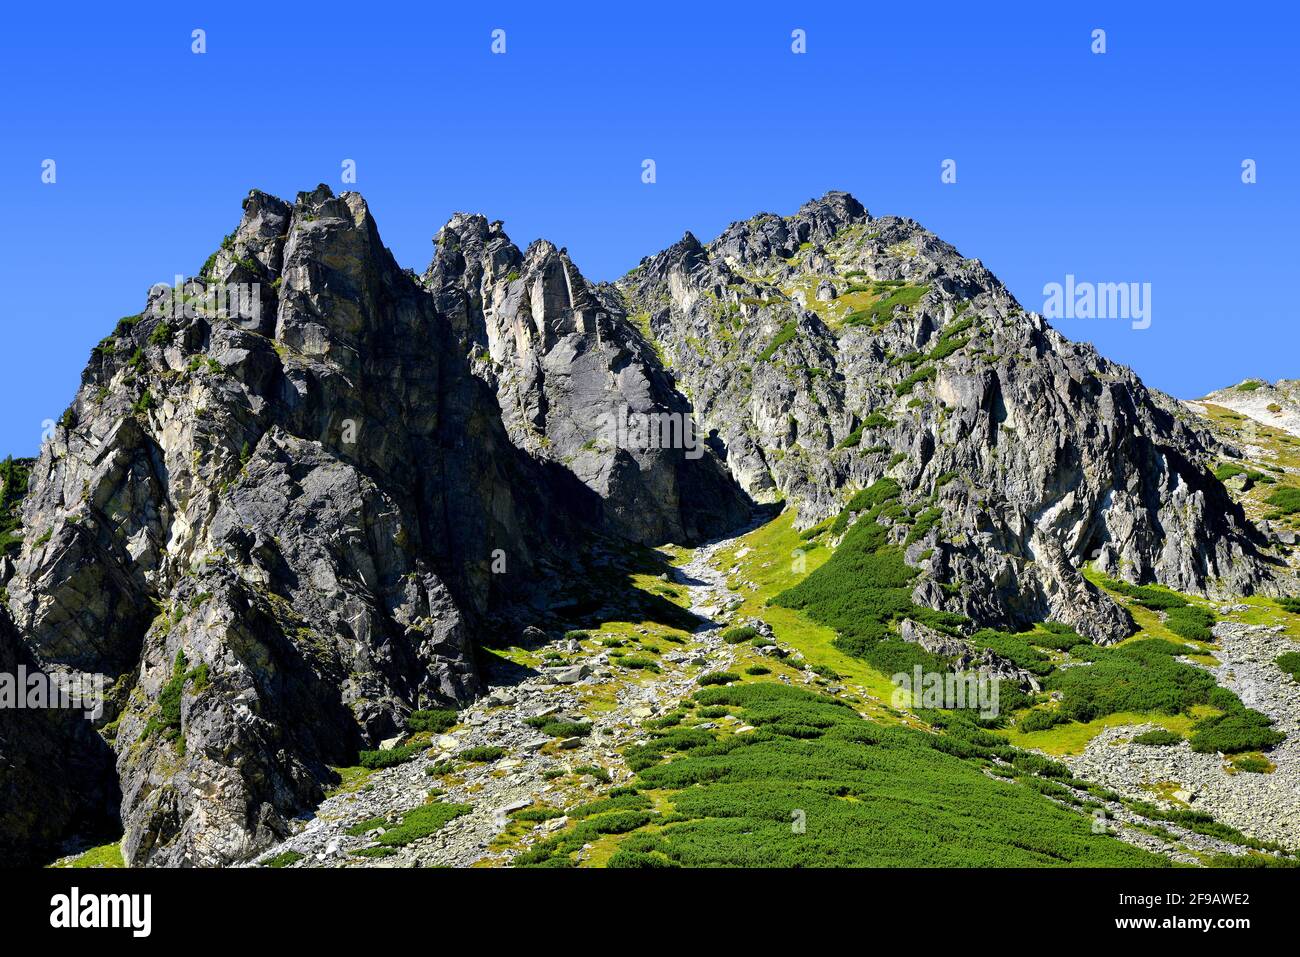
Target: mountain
{"points": [[1257, 430], [1276, 404], [831, 348], [279, 528]]}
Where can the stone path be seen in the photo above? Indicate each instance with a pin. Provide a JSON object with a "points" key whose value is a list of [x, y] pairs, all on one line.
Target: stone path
{"points": [[535, 769]]}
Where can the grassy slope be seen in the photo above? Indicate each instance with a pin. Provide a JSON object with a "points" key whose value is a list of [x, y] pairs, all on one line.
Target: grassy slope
{"points": [[869, 793], [772, 563], [815, 784]]}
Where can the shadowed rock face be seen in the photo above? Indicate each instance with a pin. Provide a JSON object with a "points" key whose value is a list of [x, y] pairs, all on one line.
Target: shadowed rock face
{"points": [[56, 776], [567, 365], [277, 530]]}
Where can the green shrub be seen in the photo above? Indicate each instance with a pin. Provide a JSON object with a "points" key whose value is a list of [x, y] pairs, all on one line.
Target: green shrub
{"points": [[758, 670], [1190, 622], [786, 333], [1252, 764], [166, 719], [719, 678], [1285, 501], [945, 348], [14, 476], [1041, 719], [865, 586], [873, 795], [1238, 730], [877, 421], [924, 522], [1197, 821], [620, 822], [923, 374], [670, 720], [283, 860], [1290, 663], [734, 636], [435, 720], [483, 753], [421, 822], [621, 802], [882, 309], [1290, 604], [361, 828], [637, 859], [125, 323], [1152, 597], [1141, 676], [636, 663], [1056, 635], [954, 329], [542, 812], [390, 757], [1014, 648]]}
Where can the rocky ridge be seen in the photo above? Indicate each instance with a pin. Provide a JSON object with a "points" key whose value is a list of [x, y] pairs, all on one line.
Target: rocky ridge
{"points": [[830, 348], [278, 527]]}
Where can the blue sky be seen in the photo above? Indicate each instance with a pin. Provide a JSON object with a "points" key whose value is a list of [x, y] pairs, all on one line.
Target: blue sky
{"points": [[1122, 167]]}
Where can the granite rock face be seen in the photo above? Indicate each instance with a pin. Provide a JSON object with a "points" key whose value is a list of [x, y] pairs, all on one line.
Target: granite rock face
{"points": [[291, 499], [1040, 454], [273, 528], [573, 377]]}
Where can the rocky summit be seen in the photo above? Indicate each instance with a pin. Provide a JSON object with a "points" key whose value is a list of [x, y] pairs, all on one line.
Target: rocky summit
{"points": [[310, 500]]}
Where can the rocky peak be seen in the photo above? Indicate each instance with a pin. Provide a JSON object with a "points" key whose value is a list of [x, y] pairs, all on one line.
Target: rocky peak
{"points": [[870, 348], [768, 236], [314, 496], [275, 524], [567, 365]]}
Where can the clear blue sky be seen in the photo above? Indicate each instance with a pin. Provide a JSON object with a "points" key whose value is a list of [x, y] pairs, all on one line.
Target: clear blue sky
{"points": [[1119, 167]]}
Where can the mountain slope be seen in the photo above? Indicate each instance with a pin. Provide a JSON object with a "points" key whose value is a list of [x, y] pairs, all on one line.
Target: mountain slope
{"points": [[1276, 405], [278, 527], [831, 348], [275, 534]]}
